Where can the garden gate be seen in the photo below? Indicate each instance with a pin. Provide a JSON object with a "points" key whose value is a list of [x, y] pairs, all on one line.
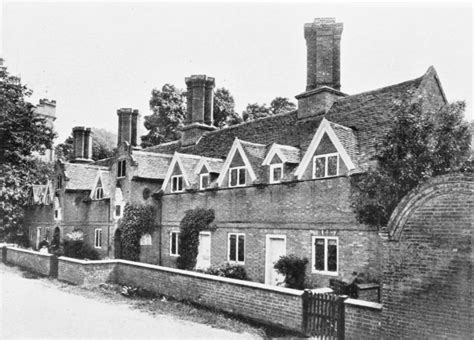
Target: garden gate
{"points": [[323, 315]]}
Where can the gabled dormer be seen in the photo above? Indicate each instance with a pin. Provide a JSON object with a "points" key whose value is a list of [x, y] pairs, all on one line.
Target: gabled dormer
{"points": [[242, 165], [280, 162], [180, 174], [208, 171], [100, 189], [328, 154]]}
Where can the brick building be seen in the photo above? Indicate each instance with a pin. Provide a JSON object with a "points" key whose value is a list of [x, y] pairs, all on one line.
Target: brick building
{"points": [[278, 185]]}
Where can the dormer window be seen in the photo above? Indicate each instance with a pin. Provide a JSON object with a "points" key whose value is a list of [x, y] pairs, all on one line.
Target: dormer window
{"points": [[99, 191], [237, 176], [276, 173], [326, 165], [121, 168], [177, 183], [204, 181]]}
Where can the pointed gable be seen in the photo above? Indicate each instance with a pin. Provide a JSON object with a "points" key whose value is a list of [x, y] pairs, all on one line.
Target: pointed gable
{"points": [[181, 165], [102, 180], [282, 154], [324, 142]]}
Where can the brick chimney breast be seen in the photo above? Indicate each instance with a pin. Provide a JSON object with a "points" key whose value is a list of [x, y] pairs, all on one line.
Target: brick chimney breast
{"points": [[127, 126], [323, 77], [82, 145], [199, 108]]}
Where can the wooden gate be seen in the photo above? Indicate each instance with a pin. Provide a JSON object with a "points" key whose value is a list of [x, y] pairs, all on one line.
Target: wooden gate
{"points": [[323, 315]]}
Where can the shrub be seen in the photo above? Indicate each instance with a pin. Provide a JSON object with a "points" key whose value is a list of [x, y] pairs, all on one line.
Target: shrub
{"points": [[78, 249], [228, 270], [294, 270], [136, 221], [193, 222]]}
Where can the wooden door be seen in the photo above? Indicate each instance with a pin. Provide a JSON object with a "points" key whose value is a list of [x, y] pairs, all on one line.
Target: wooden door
{"points": [[204, 251], [275, 247]]}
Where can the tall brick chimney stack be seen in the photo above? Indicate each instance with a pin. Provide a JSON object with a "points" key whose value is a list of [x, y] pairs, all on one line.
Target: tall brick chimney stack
{"points": [[323, 77], [82, 147], [128, 125], [199, 108]]}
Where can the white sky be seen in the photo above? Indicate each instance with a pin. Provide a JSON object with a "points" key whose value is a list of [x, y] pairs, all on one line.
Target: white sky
{"points": [[94, 58]]}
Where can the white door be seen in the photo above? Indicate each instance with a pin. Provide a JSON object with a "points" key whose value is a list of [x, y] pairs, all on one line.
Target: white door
{"points": [[275, 247], [203, 260], [38, 237]]}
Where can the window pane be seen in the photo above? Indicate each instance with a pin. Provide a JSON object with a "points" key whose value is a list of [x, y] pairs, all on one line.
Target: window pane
{"points": [[124, 168], [204, 181], [233, 177], [332, 255], [332, 165], [320, 164], [180, 183], [319, 254], [277, 174], [241, 176], [240, 255], [232, 245], [173, 243]]}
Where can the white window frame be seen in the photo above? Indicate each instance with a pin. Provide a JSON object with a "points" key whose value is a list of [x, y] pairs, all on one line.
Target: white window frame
{"points": [[177, 242], [98, 240], [326, 156], [121, 168], [237, 168], [236, 248], [276, 166], [313, 261], [201, 176], [177, 178], [96, 193]]}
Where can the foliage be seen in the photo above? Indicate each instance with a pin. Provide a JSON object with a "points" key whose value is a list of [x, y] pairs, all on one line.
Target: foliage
{"points": [[103, 144], [278, 105], [294, 270], [22, 132], [224, 113], [418, 146], [193, 222], [281, 105], [136, 221], [167, 118], [228, 270], [75, 247]]}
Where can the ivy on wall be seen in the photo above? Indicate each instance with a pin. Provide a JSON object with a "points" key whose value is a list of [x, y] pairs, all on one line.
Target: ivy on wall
{"points": [[136, 221], [193, 222]]}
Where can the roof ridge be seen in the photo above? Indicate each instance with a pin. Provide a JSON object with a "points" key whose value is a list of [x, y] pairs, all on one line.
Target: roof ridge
{"points": [[150, 153]]}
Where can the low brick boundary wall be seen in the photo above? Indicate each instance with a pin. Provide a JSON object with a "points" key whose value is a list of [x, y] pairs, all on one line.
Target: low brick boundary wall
{"points": [[267, 304], [88, 273], [363, 320], [39, 263]]}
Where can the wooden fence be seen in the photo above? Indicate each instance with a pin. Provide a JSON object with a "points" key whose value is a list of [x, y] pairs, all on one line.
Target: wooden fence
{"points": [[323, 315]]}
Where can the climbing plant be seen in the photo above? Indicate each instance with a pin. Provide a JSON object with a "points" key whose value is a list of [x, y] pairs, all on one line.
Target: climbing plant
{"points": [[193, 222], [136, 221]]}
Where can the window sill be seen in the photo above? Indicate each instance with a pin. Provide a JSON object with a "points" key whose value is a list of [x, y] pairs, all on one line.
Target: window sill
{"points": [[173, 255], [324, 273], [236, 262]]}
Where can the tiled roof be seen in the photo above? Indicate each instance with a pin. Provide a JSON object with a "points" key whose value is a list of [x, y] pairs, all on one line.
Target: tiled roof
{"points": [[106, 179], [215, 165], [255, 154], [104, 162], [348, 139], [291, 153], [189, 164], [151, 165], [369, 114], [81, 176]]}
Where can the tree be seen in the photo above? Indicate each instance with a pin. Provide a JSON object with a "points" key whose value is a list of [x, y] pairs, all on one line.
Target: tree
{"points": [[255, 111], [22, 132], [278, 105], [420, 145], [224, 113], [281, 105], [167, 118], [103, 145]]}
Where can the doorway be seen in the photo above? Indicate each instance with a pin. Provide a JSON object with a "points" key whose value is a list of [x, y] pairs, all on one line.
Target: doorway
{"points": [[203, 260], [275, 247], [117, 244]]}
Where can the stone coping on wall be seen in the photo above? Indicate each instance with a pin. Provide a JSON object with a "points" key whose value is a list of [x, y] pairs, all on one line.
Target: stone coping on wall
{"points": [[86, 262], [257, 285], [33, 252], [363, 304]]}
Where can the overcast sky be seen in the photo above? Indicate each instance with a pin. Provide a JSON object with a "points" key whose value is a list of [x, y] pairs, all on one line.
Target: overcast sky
{"points": [[94, 58]]}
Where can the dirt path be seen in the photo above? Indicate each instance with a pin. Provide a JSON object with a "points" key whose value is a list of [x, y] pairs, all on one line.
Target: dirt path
{"points": [[38, 308]]}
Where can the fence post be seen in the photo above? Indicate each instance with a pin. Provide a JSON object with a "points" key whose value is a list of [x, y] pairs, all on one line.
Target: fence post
{"points": [[305, 300], [341, 324], [4, 254]]}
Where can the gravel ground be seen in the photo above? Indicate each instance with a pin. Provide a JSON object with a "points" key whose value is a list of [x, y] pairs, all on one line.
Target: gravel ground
{"points": [[33, 307]]}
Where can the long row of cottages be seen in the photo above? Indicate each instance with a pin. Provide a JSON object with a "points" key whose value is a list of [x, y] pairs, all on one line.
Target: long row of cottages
{"points": [[278, 185]]}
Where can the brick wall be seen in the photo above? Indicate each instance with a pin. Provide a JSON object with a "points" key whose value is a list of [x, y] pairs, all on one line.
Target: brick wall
{"points": [[271, 305], [362, 320], [427, 287], [43, 264], [298, 211], [88, 273]]}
